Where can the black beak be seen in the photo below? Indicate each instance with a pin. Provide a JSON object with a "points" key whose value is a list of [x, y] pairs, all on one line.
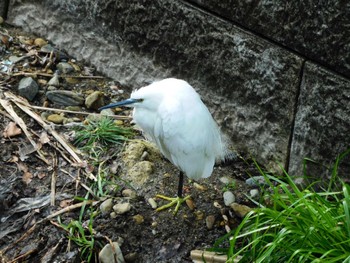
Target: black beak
{"points": [[120, 103]]}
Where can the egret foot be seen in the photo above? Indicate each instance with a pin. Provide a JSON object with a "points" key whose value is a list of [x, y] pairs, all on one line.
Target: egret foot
{"points": [[173, 200]]}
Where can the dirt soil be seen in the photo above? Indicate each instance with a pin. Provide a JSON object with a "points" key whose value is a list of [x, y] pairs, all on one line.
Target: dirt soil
{"points": [[39, 185]]}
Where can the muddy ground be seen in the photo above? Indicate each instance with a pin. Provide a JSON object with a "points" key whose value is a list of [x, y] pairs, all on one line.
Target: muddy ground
{"points": [[39, 186]]}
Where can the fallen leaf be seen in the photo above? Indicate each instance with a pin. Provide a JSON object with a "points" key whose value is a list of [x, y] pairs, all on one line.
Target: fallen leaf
{"points": [[44, 138], [41, 175], [65, 203], [11, 130], [27, 177]]}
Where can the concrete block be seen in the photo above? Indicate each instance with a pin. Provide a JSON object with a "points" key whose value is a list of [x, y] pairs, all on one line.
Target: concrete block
{"points": [[322, 123]]}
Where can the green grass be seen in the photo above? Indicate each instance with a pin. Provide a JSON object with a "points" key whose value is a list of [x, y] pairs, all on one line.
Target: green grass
{"points": [[101, 133], [294, 225]]}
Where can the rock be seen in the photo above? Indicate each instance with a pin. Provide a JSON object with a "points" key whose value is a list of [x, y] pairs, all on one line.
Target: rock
{"points": [[209, 221], [14, 59], [190, 204], [40, 42], [28, 88], [152, 203], [240, 210], [229, 198], [47, 48], [106, 206], [140, 173], [54, 81], [111, 254], [129, 193], [65, 67], [65, 97], [122, 208], [138, 219], [95, 100], [1, 20], [131, 257], [256, 181], [254, 193], [56, 118]]}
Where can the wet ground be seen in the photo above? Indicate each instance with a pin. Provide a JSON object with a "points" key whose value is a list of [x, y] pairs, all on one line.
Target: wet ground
{"points": [[43, 183]]}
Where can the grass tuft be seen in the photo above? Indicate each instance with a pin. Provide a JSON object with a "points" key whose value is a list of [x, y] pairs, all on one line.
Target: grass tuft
{"points": [[101, 132], [294, 225]]}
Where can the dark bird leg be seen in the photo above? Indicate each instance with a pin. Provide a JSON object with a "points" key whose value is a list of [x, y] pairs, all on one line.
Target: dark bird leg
{"points": [[181, 183]]}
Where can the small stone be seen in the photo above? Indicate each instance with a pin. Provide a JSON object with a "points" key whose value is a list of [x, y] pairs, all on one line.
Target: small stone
{"points": [[217, 205], [229, 198], [65, 67], [1, 20], [107, 112], [190, 204], [65, 97], [144, 156], [131, 257], [14, 59], [138, 219], [199, 215], [256, 181], [42, 82], [254, 193], [113, 215], [95, 100], [129, 193], [122, 208], [111, 254], [209, 221], [28, 88], [225, 180], [152, 202], [40, 42], [199, 187], [56, 118], [54, 81], [49, 88], [240, 210], [47, 48], [106, 206]]}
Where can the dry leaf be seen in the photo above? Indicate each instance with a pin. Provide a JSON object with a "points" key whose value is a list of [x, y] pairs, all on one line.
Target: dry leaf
{"points": [[22, 167], [41, 175], [11, 130], [27, 177], [44, 138], [65, 203]]}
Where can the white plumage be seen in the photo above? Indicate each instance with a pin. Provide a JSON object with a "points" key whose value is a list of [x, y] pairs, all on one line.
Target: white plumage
{"points": [[172, 115]]}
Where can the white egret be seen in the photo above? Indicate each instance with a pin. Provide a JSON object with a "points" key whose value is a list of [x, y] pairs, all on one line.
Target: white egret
{"points": [[172, 115]]}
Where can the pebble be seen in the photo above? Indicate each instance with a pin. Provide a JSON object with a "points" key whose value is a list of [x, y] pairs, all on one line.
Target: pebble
{"points": [[254, 193], [56, 118], [240, 210], [40, 42], [65, 97], [95, 100], [139, 219], [152, 202], [113, 215], [111, 254], [190, 204], [106, 206], [1, 20], [122, 208], [129, 193], [225, 180], [65, 67], [28, 88], [199, 187], [107, 112], [229, 198], [256, 181], [199, 215], [209, 221], [131, 257], [54, 81], [217, 205]]}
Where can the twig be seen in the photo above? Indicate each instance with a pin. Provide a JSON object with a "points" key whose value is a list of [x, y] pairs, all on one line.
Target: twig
{"points": [[77, 112], [23, 106], [53, 180], [18, 259]]}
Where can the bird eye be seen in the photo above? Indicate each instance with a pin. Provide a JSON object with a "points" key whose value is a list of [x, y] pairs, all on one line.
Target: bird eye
{"points": [[139, 100]]}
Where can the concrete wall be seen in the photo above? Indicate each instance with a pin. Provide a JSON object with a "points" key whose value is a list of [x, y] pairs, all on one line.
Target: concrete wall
{"points": [[275, 77]]}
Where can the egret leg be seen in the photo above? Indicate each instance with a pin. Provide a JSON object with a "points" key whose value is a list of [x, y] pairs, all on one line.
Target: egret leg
{"points": [[174, 200]]}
